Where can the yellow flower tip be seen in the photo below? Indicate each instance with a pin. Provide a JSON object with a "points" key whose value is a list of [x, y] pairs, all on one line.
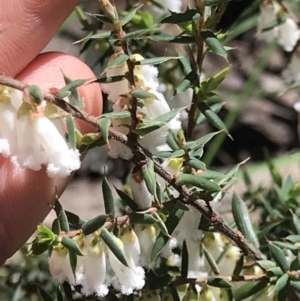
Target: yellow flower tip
{"points": [[136, 58], [151, 231], [176, 163], [206, 294]]}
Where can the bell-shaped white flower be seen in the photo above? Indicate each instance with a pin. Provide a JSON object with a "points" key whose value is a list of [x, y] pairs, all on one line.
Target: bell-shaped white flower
{"points": [[40, 143], [141, 195], [267, 16], [214, 244], [128, 278], [91, 274], [147, 236], [292, 72], [60, 266], [288, 34], [229, 260], [10, 101]]}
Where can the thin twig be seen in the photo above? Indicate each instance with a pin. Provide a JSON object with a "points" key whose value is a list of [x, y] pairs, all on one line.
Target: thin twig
{"points": [[141, 153]]}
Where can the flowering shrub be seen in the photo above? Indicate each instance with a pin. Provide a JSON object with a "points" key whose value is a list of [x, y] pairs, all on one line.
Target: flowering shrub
{"points": [[167, 242]]}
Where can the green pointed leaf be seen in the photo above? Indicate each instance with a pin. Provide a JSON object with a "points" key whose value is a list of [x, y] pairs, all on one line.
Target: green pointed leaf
{"points": [[56, 226], [172, 140], [142, 94], [141, 218], [174, 293], [161, 225], [248, 290], [279, 257], [71, 87], [46, 232], [39, 248], [285, 245], [71, 131], [61, 215], [169, 116], [156, 60], [75, 220], [277, 271], [215, 2], [187, 82], [266, 264], [218, 282], [213, 43], [239, 267], [117, 114], [68, 290], [129, 16], [108, 80], [94, 224], [104, 124], [212, 117], [295, 285], [45, 296], [112, 244], [102, 35], [197, 181], [149, 176], [59, 296], [296, 222], [119, 61], [73, 261], [282, 282], [201, 141], [293, 238], [71, 245], [215, 108], [177, 154], [128, 200], [101, 18], [109, 202], [171, 223], [210, 260], [177, 18], [184, 260], [243, 220]]}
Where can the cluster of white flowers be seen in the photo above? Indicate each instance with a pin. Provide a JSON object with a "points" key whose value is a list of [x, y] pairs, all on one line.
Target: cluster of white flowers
{"points": [[99, 267], [146, 78], [287, 31], [31, 139]]}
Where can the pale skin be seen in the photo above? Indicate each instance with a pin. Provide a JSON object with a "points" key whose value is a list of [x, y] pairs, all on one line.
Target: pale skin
{"points": [[27, 26]]}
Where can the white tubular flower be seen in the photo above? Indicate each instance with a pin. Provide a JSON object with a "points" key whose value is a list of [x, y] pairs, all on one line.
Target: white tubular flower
{"points": [[40, 143], [91, 274], [147, 236], [268, 15], [288, 34], [10, 101], [129, 278], [292, 73], [196, 266], [59, 265], [140, 193], [132, 248]]}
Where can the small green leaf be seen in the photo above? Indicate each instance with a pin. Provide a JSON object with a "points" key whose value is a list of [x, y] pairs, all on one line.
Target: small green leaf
{"points": [[75, 220], [215, 108], [112, 244], [71, 86], [156, 60], [212, 263], [295, 284], [71, 131], [61, 215], [94, 224], [215, 2], [266, 264], [109, 202], [117, 114], [293, 238], [168, 116], [212, 117], [285, 245], [56, 226], [177, 18], [184, 260], [187, 82], [102, 35], [279, 257], [243, 220], [195, 163], [59, 296], [197, 181], [201, 141], [149, 176], [104, 124], [296, 222], [248, 290], [141, 218], [282, 282], [171, 223], [71, 245], [39, 248], [108, 80], [239, 267], [119, 61], [161, 225], [213, 43], [218, 282], [73, 261], [142, 94], [127, 199], [129, 16], [277, 271], [45, 296]]}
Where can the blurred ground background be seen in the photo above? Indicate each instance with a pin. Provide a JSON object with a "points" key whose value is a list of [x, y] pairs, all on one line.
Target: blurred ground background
{"points": [[262, 120]]}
